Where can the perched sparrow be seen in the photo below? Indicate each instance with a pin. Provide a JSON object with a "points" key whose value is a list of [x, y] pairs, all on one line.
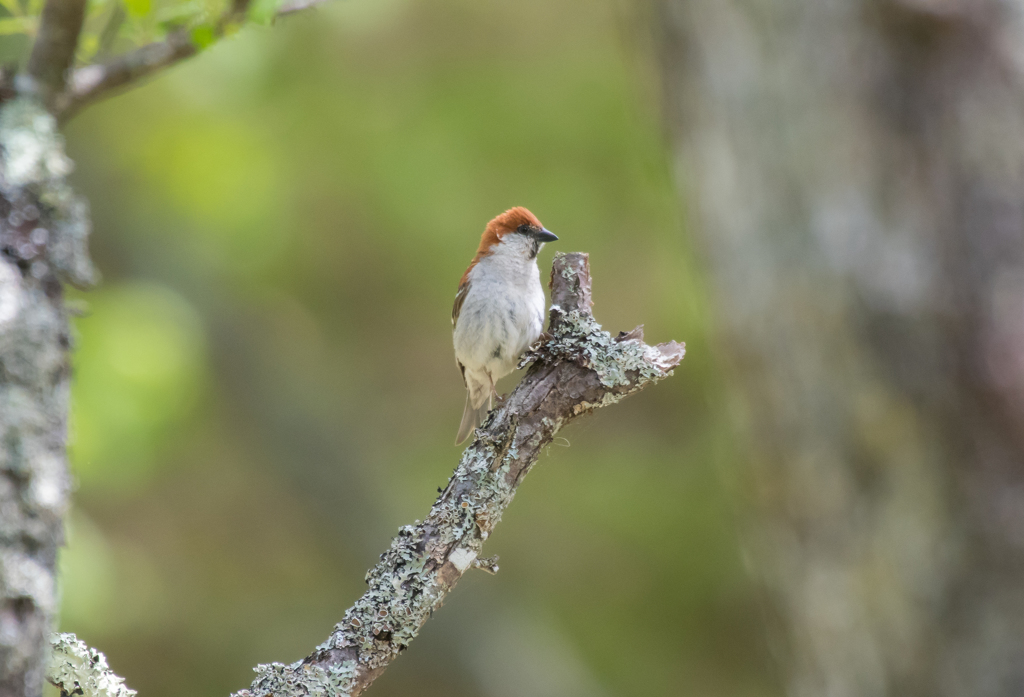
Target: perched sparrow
{"points": [[499, 309]]}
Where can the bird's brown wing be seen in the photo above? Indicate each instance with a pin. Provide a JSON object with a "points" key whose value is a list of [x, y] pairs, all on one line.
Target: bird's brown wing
{"points": [[460, 298]]}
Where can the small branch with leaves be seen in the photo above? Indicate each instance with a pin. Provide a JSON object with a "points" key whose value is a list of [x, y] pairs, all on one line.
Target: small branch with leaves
{"points": [[94, 82], [65, 90], [577, 369]]}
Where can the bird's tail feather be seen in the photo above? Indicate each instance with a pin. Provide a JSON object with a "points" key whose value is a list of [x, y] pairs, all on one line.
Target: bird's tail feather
{"points": [[471, 418]]}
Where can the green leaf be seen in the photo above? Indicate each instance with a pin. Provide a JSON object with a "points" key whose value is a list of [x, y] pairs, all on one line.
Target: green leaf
{"points": [[203, 36], [138, 8]]}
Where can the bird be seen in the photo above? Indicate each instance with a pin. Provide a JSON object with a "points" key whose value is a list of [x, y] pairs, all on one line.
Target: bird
{"points": [[499, 308]]}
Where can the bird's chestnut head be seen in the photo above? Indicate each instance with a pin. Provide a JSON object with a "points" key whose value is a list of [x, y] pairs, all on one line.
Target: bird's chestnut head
{"points": [[516, 232]]}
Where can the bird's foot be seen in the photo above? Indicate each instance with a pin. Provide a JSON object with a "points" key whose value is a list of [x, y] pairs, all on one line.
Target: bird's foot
{"points": [[497, 399], [542, 339]]}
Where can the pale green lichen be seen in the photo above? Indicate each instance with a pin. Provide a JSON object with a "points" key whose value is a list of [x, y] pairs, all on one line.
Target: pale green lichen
{"points": [[76, 669], [33, 147], [406, 585], [301, 680], [411, 579], [580, 339], [577, 337]]}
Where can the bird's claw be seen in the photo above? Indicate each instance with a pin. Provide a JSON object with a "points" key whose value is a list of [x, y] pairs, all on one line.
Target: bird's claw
{"points": [[542, 339]]}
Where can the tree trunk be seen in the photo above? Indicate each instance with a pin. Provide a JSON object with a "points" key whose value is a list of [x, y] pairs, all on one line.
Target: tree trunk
{"points": [[43, 228], [855, 170]]}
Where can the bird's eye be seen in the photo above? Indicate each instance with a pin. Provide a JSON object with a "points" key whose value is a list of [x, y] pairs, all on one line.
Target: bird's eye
{"points": [[524, 228]]}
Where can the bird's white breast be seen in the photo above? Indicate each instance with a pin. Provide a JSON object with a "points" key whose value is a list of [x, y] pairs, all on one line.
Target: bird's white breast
{"points": [[503, 314]]}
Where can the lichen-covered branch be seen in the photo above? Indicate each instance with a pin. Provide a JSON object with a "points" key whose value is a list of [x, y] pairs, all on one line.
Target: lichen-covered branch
{"points": [[76, 669], [94, 82], [578, 369], [43, 230]]}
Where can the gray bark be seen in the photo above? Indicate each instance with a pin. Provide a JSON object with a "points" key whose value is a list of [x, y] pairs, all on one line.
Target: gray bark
{"points": [[855, 169], [43, 231], [53, 52]]}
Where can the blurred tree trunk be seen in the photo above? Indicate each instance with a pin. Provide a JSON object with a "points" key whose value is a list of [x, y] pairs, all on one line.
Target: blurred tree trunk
{"points": [[855, 171], [43, 227]]}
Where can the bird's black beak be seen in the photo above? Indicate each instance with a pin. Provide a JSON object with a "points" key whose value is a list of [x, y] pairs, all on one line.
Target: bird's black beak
{"points": [[544, 235]]}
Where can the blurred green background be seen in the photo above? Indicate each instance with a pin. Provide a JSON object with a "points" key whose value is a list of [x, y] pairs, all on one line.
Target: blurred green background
{"points": [[265, 387]]}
